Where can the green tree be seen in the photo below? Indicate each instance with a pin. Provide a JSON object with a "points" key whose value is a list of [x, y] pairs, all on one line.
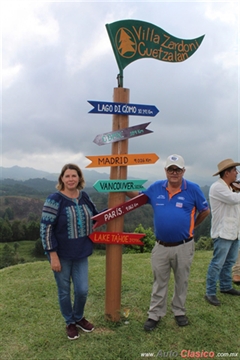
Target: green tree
{"points": [[17, 230], [38, 249], [7, 257], [33, 230], [33, 217], [148, 240], [5, 231], [10, 256], [8, 214], [25, 230]]}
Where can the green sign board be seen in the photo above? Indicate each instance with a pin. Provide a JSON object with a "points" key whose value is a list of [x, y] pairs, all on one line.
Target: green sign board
{"points": [[119, 185], [134, 39]]}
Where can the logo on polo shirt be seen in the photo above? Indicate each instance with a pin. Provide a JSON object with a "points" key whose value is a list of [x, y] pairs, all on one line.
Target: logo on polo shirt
{"points": [[181, 198], [179, 205]]}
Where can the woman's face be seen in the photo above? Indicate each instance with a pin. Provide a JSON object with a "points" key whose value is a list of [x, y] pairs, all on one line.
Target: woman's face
{"points": [[70, 179]]}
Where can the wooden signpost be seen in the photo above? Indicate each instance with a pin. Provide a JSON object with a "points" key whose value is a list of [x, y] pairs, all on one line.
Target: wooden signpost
{"points": [[119, 185], [118, 162], [131, 40], [116, 238], [122, 160]]}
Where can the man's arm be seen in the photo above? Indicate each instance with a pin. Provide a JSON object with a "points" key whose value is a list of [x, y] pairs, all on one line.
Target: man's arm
{"points": [[201, 216], [132, 194]]}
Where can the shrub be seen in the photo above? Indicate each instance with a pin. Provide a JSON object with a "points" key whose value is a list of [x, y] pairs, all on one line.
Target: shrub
{"points": [[10, 256], [148, 240], [204, 243], [38, 249]]}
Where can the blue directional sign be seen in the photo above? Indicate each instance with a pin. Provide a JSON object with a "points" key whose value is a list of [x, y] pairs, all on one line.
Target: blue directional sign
{"points": [[112, 108]]}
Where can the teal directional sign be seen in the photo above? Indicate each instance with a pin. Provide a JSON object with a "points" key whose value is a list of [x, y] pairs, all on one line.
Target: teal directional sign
{"points": [[119, 185], [122, 134], [103, 107]]}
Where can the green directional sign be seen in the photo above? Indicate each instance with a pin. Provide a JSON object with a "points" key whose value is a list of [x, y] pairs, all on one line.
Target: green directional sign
{"points": [[119, 185]]}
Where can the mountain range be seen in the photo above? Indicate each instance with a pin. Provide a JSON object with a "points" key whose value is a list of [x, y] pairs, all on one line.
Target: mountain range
{"points": [[91, 176], [26, 173]]}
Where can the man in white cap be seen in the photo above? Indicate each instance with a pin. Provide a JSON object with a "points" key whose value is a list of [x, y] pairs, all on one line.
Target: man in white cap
{"points": [[224, 204], [179, 206]]}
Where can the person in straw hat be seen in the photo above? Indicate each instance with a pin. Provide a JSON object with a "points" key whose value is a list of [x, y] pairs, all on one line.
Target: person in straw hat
{"points": [[236, 268], [224, 204]]}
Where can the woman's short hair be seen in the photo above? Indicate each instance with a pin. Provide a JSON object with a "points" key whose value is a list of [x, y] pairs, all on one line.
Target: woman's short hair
{"points": [[81, 183]]}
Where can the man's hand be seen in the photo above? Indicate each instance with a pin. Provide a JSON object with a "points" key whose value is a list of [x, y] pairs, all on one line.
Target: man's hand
{"points": [[201, 216]]}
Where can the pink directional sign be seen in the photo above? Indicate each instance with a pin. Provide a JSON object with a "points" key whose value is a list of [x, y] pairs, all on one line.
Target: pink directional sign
{"points": [[119, 210], [123, 134]]}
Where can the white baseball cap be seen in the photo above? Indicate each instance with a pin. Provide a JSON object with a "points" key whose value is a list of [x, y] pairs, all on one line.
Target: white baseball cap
{"points": [[176, 160]]}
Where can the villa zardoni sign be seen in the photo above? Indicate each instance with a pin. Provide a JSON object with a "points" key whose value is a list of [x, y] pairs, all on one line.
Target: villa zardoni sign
{"points": [[134, 39]]}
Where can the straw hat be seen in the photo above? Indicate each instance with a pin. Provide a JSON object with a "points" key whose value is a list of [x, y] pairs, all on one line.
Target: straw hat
{"points": [[225, 164]]}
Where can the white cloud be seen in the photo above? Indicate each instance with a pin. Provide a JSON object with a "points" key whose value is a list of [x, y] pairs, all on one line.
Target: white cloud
{"points": [[225, 11], [57, 55], [10, 74], [26, 25], [51, 163]]}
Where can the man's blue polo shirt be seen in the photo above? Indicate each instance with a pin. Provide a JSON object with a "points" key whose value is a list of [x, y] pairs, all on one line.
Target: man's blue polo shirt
{"points": [[174, 216]]}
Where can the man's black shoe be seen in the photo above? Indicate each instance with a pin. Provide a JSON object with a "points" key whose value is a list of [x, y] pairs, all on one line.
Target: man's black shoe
{"points": [[231, 292], [213, 300], [150, 324], [181, 320]]}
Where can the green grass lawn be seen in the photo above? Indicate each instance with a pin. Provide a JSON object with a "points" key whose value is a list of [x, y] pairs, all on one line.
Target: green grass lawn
{"points": [[32, 326], [24, 250]]}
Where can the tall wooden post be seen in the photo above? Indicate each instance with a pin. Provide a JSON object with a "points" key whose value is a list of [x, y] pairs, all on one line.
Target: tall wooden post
{"points": [[114, 251]]}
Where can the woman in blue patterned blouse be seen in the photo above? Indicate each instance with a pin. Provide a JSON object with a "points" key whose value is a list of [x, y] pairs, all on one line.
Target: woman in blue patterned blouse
{"points": [[65, 226]]}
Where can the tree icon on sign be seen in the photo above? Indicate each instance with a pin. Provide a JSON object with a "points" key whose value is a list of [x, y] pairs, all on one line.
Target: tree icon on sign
{"points": [[127, 45]]}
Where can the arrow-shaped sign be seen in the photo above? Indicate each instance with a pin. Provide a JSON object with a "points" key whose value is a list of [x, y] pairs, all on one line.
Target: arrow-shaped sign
{"points": [[122, 160], [118, 185], [112, 108], [116, 238], [123, 134], [119, 210]]}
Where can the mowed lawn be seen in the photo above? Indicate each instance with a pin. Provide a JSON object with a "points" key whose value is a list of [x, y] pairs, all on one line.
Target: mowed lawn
{"points": [[32, 326]]}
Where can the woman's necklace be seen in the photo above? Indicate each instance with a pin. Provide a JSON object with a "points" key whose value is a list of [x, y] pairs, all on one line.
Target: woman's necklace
{"points": [[71, 194]]}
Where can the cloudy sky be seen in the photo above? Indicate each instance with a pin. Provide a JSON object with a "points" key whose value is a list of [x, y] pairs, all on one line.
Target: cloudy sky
{"points": [[57, 55]]}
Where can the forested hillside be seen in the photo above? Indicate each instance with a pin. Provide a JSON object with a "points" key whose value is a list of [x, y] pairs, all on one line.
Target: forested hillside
{"points": [[21, 205]]}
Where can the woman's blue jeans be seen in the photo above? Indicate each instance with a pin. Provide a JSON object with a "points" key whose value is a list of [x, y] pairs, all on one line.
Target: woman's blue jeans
{"points": [[225, 253], [77, 271]]}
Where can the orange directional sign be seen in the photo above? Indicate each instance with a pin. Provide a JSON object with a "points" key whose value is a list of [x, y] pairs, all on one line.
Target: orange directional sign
{"points": [[122, 160], [116, 238]]}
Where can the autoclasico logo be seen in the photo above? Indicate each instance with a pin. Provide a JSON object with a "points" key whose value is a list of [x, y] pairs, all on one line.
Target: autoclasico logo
{"points": [[189, 354], [197, 354], [186, 354]]}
